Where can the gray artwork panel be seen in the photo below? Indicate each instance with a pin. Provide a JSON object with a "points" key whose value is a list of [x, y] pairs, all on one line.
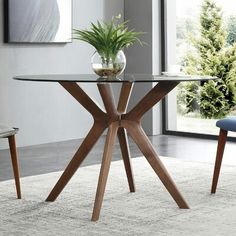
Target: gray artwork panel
{"points": [[36, 21]]}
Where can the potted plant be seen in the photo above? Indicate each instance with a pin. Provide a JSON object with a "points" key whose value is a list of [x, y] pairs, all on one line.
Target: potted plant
{"points": [[108, 39]]}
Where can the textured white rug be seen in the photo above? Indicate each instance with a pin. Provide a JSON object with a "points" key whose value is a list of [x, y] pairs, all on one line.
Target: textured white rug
{"points": [[149, 211]]}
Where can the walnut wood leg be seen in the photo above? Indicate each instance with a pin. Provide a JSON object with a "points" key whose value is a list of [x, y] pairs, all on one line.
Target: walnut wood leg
{"points": [[219, 157], [76, 161], [100, 124], [80, 95], [123, 140], [12, 145], [131, 121], [125, 93], [116, 120], [140, 138], [106, 161], [150, 99]]}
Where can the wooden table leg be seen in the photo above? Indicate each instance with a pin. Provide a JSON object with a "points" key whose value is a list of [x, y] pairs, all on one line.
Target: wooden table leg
{"points": [[125, 93], [145, 146], [114, 121], [155, 95], [100, 124], [76, 161], [123, 139], [117, 122], [131, 122], [106, 161]]}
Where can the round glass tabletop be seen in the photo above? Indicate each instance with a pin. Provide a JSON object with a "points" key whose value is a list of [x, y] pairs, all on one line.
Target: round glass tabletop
{"points": [[92, 78]]}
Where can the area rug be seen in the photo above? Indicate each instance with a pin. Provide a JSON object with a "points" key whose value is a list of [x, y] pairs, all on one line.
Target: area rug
{"points": [[148, 211]]}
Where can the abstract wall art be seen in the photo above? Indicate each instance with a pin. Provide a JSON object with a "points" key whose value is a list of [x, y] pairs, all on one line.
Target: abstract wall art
{"points": [[37, 21]]}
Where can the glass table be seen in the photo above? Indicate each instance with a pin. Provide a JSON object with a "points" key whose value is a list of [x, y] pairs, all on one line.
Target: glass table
{"points": [[117, 120]]}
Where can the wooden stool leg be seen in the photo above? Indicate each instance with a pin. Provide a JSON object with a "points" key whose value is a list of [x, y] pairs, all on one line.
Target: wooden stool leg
{"points": [[219, 157], [12, 145]]}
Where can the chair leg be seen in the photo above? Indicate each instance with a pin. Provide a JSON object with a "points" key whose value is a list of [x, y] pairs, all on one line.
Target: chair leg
{"points": [[12, 145], [219, 157]]}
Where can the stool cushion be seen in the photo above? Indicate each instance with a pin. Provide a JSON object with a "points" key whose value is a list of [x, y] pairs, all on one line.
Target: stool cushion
{"points": [[228, 124], [6, 131]]}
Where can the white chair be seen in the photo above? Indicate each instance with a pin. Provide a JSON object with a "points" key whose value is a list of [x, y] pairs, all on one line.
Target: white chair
{"points": [[9, 133]]}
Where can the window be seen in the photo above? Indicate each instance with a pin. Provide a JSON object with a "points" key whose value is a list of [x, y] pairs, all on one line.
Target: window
{"points": [[200, 39]]}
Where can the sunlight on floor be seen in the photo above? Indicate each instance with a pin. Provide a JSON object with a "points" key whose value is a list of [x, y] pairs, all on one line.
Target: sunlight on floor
{"points": [[198, 125]]}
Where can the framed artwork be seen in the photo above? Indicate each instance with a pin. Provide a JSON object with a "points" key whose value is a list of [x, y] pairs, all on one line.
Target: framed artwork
{"points": [[38, 21]]}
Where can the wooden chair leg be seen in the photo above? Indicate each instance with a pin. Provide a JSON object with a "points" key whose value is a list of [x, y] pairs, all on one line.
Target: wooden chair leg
{"points": [[219, 157], [12, 145]]}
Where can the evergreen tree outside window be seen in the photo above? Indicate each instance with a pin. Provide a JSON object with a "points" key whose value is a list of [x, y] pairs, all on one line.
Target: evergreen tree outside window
{"points": [[205, 45], [212, 57]]}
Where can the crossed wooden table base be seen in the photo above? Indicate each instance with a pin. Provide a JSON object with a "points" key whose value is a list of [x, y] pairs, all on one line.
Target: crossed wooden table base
{"points": [[118, 122]]}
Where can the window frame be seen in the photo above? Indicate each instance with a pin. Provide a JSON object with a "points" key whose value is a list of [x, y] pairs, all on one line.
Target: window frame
{"points": [[165, 131]]}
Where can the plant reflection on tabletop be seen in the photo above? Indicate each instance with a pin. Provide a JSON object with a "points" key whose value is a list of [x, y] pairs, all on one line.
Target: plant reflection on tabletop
{"points": [[121, 78], [108, 39], [111, 78]]}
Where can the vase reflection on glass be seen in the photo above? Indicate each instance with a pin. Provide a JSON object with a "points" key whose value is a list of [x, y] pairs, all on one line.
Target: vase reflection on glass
{"points": [[108, 66]]}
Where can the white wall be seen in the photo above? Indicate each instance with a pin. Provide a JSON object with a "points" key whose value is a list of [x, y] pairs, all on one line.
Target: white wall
{"points": [[171, 60], [44, 112], [144, 16], [156, 63]]}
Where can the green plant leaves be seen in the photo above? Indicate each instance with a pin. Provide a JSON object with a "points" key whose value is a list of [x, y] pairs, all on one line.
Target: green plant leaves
{"points": [[108, 38]]}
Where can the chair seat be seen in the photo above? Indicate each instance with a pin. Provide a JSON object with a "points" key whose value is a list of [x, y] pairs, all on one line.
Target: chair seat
{"points": [[6, 131], [228, 124]]}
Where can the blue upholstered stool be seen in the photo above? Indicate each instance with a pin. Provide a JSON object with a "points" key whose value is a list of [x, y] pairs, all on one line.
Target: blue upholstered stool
{"points": [[225, 125], [9, 133]]}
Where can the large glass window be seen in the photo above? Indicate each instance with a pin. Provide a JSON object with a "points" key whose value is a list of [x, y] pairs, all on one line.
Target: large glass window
{"points": [[201, 39]]}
